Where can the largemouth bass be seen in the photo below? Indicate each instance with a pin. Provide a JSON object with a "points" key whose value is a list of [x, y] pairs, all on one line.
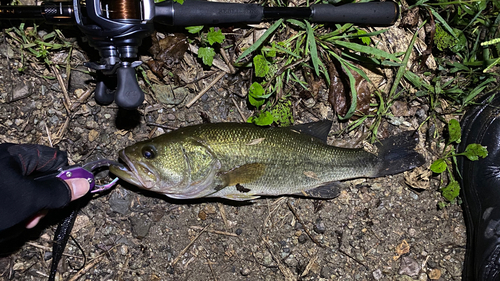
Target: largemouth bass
{"points": [[243, 161]]}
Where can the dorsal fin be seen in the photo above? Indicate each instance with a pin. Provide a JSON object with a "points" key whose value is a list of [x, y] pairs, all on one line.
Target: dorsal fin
{"points": [[318, 129]]}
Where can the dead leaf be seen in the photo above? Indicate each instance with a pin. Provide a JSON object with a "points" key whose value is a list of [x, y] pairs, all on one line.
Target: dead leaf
{"points": [[166, 51], [340, 98], [202, 215], [418, 178], [121, 132], [409, 18], [435, 274], [402, 249]]}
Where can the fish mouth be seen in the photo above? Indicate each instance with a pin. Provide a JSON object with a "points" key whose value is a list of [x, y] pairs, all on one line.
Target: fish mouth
{"points": [[131, 172]]}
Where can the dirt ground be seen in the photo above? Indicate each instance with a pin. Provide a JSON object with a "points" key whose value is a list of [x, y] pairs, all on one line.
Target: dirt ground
{"points": [[377, 229]]}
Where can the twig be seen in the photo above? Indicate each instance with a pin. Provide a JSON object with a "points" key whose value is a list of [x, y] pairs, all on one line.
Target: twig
{"points": [[284, 270], [187, 247], [309, 266], [66, 100], [62, 130], [223, 214], [91, 264], [152, 132], [227, 60], [216, 79], [45, 248], [162, 126], [215, 231], [210, 265], [81, 99], [306, 230], [48, 135], [239, 111]]}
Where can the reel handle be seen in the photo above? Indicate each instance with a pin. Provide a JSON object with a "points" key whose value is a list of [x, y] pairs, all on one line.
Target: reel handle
{"points": [[128, 94]]}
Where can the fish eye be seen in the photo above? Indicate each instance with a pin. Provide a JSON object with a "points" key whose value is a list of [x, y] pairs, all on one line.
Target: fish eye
{"points": [[149, 152]]}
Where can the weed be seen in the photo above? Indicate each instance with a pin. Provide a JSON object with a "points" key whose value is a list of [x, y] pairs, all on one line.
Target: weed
{"points": [[473, 151], [31, 43], [207, 41]]}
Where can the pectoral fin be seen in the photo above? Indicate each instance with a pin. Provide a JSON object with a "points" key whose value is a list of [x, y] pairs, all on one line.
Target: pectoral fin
{"points": [[241, 175], [327, 191]]}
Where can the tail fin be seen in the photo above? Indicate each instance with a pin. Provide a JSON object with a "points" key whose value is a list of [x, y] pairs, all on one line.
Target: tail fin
{"points": [[397, 154]]}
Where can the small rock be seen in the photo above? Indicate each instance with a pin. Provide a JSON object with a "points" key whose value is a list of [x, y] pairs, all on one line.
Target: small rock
{"points": [[302, 238], [238, 231], [245, 271], [327, 272], [140, 226], [431, 264], [309, 103], [170, 117], [422, 277], [120, 202], [298, 226], [319, 227], [93, 134], [168, 95], [377, 274], [80, 78], [123, 250], [21, 91], [409, 267], [47, 255]]}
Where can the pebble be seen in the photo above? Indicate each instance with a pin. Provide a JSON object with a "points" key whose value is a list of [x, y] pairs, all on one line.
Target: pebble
{"points": [[238, 231], [120, 202], [140, 226], [167, 95], [309, 103], [414, 196], [377, 274], [245, 271], [422, 277], [327, 272], [319, 227], [303, 238], [47, 255], [408, 266]]}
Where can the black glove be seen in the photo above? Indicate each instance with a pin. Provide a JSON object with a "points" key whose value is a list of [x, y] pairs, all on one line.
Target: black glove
{"points": [[21, 196]]}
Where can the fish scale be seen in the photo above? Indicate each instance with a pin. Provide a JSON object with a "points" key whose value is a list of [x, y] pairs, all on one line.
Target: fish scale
{"points": [[243, 161]]}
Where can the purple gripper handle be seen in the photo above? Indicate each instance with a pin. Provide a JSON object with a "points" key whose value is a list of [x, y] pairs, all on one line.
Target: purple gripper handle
{"points": [[77, 172]]}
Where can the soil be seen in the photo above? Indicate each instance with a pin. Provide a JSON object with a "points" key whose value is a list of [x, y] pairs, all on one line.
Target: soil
{"points": [[377, 229]]}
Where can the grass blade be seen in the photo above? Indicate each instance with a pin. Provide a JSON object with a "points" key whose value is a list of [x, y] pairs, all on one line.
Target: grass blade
{"points": [[312, 47], [261, 40], [366, 49]]}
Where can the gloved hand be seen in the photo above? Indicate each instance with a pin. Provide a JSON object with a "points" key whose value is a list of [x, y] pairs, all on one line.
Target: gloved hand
{"points": [[23, 199]]}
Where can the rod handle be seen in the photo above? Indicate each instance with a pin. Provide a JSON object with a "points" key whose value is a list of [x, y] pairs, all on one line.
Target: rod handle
{"points": [[194, 12], [371, 13]]}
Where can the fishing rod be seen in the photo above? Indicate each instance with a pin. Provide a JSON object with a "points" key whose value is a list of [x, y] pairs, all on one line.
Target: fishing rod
{"points": [[116, 28]]}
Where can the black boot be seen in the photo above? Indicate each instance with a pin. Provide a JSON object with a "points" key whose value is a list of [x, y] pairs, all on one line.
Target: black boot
{"points": [[480, 182]]}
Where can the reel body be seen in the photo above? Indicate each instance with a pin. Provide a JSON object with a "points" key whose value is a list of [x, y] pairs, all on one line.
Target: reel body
{"points": [[115, 28]]}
